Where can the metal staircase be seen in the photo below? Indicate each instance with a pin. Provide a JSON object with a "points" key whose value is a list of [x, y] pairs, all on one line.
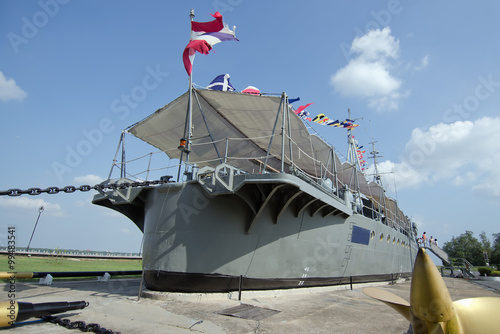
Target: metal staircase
{"points": [[464, 266], [456, 266], [439, 253]]}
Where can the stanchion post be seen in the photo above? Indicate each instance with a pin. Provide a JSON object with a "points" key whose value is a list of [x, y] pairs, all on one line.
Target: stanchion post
{"points": [[239, 287]]}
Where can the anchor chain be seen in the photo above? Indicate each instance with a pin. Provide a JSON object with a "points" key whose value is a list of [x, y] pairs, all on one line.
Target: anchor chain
{"points": [[71, 189], [81, 325]]}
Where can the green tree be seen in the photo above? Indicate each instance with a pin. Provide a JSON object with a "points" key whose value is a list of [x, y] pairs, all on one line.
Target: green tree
{"points": [[486, 243], [495, 254], [465, 246]]}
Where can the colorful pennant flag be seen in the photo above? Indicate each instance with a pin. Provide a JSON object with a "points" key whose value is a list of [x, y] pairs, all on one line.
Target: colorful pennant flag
{"points": [[318, 118], [331, 122], [204, 35], [221, 82], [301, 108]]}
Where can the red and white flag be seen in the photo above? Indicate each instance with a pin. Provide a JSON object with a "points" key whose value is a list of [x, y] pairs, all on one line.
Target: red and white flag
{"points": [[203, 36]]}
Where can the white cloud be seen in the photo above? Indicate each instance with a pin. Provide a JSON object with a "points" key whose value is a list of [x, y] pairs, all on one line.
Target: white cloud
{"points": [[399, 173], [88, 179], [466, 178], [81, 204], [368, 74], [32, 204], [388, 102], [424, 62], [376, 45], [112, 213], [365, 79], [464, 153], [441, 148], [9, 90], [490, 188]]}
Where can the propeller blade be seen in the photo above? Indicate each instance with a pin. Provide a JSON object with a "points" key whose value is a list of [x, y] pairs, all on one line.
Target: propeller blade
{"points": [[478, 315], [392, 300], [429, 296], [431, 310]]}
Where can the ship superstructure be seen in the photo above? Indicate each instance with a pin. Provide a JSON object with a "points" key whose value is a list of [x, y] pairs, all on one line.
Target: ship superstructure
{"points": [[257, 202]]}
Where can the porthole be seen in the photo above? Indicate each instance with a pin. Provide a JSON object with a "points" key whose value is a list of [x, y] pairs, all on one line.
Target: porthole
{"points": [[388, 238], [372, 235], [393, 240]]}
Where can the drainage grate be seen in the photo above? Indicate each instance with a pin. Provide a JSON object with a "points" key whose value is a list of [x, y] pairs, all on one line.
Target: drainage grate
{"points": [[250, 312]]}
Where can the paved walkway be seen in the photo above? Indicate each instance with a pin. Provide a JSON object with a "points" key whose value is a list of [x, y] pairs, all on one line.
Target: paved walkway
{"points": [[114, 305]]}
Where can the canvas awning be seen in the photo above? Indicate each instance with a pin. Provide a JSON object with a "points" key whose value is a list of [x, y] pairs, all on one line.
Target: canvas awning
{"points": [[246, 120], [246, 123]]}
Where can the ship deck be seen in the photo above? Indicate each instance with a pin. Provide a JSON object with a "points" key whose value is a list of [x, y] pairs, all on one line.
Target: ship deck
{"points": [[114, 305]]}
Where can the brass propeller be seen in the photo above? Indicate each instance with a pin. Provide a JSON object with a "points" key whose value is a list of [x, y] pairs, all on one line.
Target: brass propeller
{"points": [[431, 309]]}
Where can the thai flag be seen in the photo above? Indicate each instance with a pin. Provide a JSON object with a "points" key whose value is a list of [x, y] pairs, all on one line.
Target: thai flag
{"points": [[221, 82], [203, 36]]}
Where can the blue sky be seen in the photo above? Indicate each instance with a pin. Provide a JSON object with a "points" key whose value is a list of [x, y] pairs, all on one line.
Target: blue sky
{"points": [[424, 77]]}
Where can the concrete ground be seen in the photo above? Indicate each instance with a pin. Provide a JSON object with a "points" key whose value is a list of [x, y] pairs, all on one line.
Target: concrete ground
{"points": [[114, 305]]}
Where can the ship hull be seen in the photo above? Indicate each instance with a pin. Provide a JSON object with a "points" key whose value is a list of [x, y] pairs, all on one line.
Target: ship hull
{"points": [[265, 231], [205, 283]]}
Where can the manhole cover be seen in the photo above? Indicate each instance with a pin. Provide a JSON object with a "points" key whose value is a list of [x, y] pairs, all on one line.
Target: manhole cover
{"points": [[250, 312]]}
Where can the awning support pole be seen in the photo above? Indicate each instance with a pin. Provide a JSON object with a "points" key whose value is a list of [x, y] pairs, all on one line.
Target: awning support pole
{"points": [[287, 111], [124, 161], [206, 124], [334, 163], [116, 154], [274, 130], [283, 128]]}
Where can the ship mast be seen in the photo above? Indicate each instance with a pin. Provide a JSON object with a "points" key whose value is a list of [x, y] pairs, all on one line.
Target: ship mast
{"points": [[185, 142], [378, 180], [352, 156], [375, 154]]}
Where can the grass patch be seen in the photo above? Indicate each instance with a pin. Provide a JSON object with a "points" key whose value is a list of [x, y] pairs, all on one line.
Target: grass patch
{"points": [[41, 264]]}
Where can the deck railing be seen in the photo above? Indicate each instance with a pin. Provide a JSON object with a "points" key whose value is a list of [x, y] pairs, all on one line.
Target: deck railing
{"points": [[325, 177]]}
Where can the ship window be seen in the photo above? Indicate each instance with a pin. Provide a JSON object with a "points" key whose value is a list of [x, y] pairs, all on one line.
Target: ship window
{"points": [[381, 236], [372, 235], [360, 235], [388, 238]]}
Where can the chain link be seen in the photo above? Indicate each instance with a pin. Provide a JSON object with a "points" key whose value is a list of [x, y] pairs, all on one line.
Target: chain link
{"points": [[81, 325], [71, 189]]}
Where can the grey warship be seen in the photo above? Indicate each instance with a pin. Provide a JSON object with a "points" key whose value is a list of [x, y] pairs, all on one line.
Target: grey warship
{"points": [[259, 202]]}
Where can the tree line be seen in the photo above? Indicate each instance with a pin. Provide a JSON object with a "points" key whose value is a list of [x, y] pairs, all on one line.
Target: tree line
{"points": [[479, 252]]}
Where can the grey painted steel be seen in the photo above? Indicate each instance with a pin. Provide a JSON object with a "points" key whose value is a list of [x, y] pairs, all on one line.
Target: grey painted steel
{"points": [[258, 226]]}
